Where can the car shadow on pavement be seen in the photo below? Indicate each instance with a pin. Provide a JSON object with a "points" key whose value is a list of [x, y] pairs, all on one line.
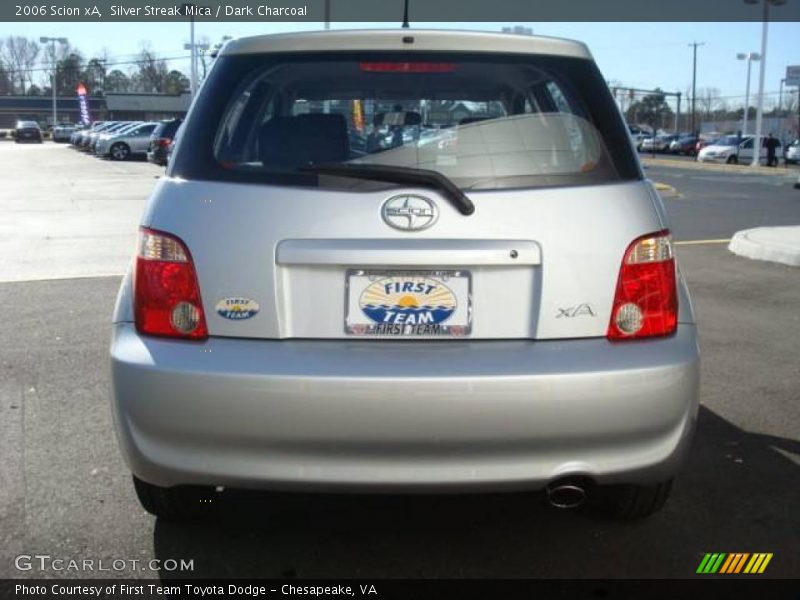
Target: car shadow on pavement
{"points": [[739, 492]]}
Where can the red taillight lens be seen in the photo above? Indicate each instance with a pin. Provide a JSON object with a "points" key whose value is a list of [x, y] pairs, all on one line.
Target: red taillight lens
{"points": [[646, 300], [163, 142], [407, 67], [166, 295]]}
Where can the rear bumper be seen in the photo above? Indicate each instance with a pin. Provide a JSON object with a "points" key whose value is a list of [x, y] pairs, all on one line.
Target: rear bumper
{"points": [[157, 156], [372, 415]]}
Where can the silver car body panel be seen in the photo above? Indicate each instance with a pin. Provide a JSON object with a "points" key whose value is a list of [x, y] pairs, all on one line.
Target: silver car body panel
{"points": [[385, 415], [574, 269], [393, 39]]}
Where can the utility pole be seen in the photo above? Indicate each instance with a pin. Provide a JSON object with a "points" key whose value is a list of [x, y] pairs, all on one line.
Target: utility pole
{"points": [[694, 46]]}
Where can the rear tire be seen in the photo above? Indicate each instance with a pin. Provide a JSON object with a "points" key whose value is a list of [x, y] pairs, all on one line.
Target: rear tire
{"points": [[732, 160], [175, 503], [633, 501]]}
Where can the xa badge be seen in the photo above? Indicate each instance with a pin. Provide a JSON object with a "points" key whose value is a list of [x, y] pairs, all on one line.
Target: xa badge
{"points": [[576, 311], [409, 212]]}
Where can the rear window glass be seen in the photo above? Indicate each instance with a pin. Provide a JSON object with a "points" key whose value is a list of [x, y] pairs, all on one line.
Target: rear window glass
{"points": [[166, 129], [484, 121]]}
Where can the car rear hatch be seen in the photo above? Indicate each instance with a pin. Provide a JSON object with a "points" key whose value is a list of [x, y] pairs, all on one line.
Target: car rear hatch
{"points": [[283, 248]]}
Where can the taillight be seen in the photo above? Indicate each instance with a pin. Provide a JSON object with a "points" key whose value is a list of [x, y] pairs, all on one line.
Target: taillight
{"points": [[166, 295], [163, 142], [646, 300]]}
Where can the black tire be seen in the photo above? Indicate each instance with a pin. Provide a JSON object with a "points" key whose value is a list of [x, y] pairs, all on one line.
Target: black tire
{"points": [[733, 160], [633, 501], [119, 151], [175, 503]]}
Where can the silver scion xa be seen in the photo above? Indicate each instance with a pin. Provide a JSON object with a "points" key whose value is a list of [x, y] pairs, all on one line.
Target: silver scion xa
{"points": [[404, 261]]}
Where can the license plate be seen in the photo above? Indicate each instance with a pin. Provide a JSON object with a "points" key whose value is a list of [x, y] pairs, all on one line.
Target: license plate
{"points": [[408, 303]]}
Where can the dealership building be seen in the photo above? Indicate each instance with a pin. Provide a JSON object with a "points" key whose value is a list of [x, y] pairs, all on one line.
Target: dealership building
{"points": [[120, 107]]}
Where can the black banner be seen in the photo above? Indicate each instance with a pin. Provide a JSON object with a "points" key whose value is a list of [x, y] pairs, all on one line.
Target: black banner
{"points": [[702, 588], [391, 11]]}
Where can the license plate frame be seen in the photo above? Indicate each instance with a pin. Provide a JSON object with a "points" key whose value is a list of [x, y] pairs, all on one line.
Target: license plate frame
{"points": [[360, 316]]}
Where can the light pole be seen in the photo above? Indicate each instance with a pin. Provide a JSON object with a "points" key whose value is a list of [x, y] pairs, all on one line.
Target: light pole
{"points": [[761, 74], [780, 98], [694, 79], [749, 57], [189, 9], [53, 40]]}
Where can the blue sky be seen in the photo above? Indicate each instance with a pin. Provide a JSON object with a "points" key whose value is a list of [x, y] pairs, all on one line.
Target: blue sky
{"points": [[643, 55]]}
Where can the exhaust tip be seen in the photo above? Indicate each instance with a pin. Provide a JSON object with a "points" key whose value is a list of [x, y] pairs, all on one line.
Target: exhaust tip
{"points": [[566, 494]]}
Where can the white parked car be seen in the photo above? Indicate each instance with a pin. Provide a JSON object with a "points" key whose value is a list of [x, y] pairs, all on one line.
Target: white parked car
{"points": [[792, 155], [732, 149]]}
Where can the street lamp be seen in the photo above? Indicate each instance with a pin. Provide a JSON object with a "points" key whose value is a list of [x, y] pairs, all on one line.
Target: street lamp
{"points": [[53, 40], [749, 57], [762, 72], [189, 9]]}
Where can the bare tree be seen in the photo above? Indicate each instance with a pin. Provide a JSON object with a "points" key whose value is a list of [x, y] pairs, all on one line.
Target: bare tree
{"points": [[707, 100], [54, 54], [6, 86], [151, 72], [20, 54]]}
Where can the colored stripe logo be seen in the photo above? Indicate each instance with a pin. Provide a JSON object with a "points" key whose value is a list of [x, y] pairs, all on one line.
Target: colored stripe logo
{"points": [[736, 562]]}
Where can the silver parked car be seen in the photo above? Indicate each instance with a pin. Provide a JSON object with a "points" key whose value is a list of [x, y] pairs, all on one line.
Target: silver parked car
{"points": [[499, 311], [124, 144]]}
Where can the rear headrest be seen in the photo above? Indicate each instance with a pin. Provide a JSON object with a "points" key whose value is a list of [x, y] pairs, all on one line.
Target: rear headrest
{"points": [[304, 139]]}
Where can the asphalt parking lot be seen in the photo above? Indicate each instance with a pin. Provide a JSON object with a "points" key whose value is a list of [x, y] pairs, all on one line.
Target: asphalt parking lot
{"points": [[67, 226]]}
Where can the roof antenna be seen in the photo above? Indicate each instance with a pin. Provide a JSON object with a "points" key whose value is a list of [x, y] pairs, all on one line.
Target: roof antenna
{"points": [[405, 16]]}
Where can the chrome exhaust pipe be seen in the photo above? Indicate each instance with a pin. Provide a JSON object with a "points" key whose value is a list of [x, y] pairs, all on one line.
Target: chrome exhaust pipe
{"points": [[566, 494]]}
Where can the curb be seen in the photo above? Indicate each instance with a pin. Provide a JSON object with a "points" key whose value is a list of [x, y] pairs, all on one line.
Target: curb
{"points": [[772, 244], [666, 191], [719, 168]]}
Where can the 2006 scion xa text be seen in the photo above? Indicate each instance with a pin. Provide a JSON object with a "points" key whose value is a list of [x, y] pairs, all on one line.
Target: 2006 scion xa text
{"points": [[404, 261]]}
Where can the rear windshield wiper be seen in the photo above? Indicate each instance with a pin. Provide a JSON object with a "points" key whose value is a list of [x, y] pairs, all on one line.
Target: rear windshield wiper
{"points": [[402, 175]]}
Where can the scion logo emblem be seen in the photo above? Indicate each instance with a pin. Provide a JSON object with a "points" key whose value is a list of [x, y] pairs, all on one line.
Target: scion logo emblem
{"points": [[409, 212]]}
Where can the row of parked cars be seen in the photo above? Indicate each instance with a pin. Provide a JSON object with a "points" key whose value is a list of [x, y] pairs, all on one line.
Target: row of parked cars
{"points": [[711, 147], [676, 143], [123, 140]]}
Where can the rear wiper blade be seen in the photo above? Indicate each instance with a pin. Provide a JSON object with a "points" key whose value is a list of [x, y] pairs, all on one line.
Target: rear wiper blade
{"points": [[402, 175]]}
